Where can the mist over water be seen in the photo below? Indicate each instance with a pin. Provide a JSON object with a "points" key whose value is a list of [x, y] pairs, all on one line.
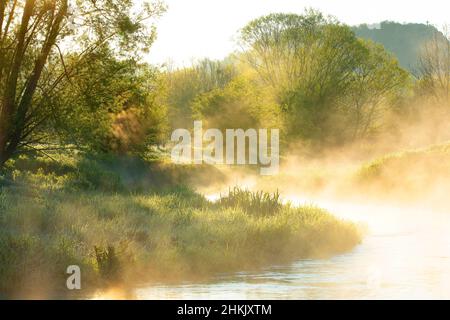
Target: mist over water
{"points": [[404, 255]]}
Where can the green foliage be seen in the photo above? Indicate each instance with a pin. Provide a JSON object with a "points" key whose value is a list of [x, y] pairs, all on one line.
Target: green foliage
{"points": [[308, 75], [240, 104], [274, 44], [125, 221], [103, 172], [331, 85], [259, 203], [113, 106], [117, 238], [185, 85], [67, 63]]}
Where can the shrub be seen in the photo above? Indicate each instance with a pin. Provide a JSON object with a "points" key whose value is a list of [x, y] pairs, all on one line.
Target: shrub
{"points": [[258, 203]]}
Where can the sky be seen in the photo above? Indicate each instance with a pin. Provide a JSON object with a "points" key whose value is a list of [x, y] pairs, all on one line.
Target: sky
{"points": [[196, 29]]}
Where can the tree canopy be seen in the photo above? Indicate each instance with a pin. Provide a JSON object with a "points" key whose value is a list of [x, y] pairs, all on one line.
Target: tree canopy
{"points": [[45, 47]]}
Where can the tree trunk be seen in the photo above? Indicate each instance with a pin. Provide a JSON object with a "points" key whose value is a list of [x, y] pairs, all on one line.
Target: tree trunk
{"points": [[14, 109], [9, 95]]}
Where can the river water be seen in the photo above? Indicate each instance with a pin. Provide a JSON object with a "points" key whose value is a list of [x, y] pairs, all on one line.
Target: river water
{"points": [[405, 255]]}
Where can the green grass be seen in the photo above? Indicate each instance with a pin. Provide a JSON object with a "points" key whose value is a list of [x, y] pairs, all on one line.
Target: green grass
{"points": [[49, 220], [258, 203]]}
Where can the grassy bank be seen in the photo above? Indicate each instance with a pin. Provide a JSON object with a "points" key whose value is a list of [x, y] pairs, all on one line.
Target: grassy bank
{"points": [[418, 173], [64, 214]]}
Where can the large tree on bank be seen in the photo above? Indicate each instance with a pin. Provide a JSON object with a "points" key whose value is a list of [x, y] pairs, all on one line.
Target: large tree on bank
{"points": [[44, 43]]}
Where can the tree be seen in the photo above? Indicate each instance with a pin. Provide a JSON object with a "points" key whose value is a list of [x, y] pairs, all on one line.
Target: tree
{"points": [[377, 84], [435, 68], [278, 46], [328, 82], [240, 104], [43, 44], [113, 106], [185, 85]]}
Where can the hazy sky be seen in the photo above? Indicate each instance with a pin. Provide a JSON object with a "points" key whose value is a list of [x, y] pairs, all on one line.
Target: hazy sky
{"points": [[193, 29]]}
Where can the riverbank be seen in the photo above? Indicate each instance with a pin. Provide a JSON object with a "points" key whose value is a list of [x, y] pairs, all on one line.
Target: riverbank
{"points": [[404, 255], [120, 236]]}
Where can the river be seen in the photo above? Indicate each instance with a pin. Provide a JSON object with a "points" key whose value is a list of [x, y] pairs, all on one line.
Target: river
{"points": [[405, 255]]}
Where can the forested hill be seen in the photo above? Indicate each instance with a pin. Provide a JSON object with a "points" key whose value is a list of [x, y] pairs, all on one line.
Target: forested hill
{"points": [[404, 40]]}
